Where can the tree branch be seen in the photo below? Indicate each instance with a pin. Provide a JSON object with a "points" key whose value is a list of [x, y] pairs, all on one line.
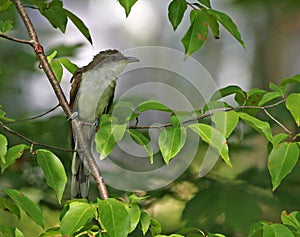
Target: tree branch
{"points": [[38, 48], [31, 141], [15, 39]]}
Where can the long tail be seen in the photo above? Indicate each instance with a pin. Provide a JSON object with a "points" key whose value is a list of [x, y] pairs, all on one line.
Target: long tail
{"points": [[80, 178]]}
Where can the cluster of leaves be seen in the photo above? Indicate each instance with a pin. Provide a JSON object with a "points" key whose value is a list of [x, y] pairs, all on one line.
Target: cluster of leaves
{"points": [[284, 149], [202, 18]]}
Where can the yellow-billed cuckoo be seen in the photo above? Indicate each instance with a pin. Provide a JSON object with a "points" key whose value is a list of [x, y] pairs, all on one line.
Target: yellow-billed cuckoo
{"points": [[91, 95]]}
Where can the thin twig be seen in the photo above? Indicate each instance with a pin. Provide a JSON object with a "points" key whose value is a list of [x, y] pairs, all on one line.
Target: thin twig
{"points": [[276, 121], [22, 41], [38, 48], [209, 113], [34, 117], [31, 141]]}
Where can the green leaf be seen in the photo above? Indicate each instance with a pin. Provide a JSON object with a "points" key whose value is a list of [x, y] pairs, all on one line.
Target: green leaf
{"points": [[71, 67], [260, 126], [293, 79], [54, 231], [155, 227], [9, 207], [226, 91], [80, 25], [54, 171], [57, 70], [143, 141], [197, 32], [279, 89], [51, 56], [153, 105], [227, 22], [292, 104], [205, 3], [176, 11], [282, 160], [113, 217], [291, 219], [276, 230], [6, 25], [55, 14], [76, 217], [134, 213], [213, 104], [213, 25], [171, 140], [213, 138], [278, 138], [5, 4], [108, 135], [145, 222], [7, 231], [268, 97], [12, 155], [127, 5], [225, 122], [3, 149], [27, 205]]}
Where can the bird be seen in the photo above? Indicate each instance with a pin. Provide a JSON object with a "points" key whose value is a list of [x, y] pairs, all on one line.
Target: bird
{"points": [[91, 95]]}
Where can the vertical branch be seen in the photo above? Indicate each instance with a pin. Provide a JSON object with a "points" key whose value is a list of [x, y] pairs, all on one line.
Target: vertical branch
{"points": [[38, 48]]}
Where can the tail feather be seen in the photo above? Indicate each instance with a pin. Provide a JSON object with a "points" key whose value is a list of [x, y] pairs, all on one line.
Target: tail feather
{"points": [[80, 178]]}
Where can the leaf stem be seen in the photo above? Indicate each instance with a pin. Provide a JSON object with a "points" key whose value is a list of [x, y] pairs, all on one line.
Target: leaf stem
{"points": [[33, 143]]}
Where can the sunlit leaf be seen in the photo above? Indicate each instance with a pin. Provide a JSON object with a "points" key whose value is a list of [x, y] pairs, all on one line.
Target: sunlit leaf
{"points": [[5, 4], [213, 25], [54, 171], [293, 105], [293, 79], [55, 14], [278, 138], [9, 207], [214, 104], [226, 91], [153, 105], [145, 222], [13, 153], [113, 217], [76, 217], [281, 162], [57, 70], [176, 9], [54, 231], [213, 138], [3, 148], [291, 219], [227, 22], [143, 141], [274, 230], [197, 33], [171, 141], [6, 25], [27, 205], [205, 3], [269, 97], [260, 126], [80, 25], [108, 135], [127, 5], [71, 67], [225, 122], [134, 213]]}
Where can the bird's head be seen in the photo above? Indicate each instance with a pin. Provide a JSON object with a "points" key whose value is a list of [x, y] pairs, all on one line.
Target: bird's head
{"points": [[113, 60]]}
